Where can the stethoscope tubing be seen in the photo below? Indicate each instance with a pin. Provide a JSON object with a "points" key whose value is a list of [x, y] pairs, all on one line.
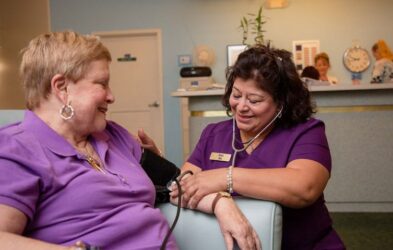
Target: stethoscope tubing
{"points": [[248, 143]]}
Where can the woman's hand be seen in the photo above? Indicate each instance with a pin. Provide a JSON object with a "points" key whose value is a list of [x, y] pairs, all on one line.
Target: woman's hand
{"points": [[174, 194], [147, 143], [196, 186], [234, 225]]}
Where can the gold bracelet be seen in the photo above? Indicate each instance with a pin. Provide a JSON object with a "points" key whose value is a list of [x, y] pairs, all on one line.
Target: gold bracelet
{"points": [[79, 245], [219, 195]]}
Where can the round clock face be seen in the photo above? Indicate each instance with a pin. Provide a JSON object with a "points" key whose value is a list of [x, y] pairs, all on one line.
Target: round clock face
{"points": [[356, 59]]}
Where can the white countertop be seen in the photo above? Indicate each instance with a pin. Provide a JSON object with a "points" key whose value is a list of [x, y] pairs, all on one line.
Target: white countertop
{"points": [[187, 93], [340, 87], [345, 87]]}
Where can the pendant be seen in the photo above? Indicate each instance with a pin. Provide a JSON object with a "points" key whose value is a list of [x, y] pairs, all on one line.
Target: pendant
{"points": [[94, 164]]}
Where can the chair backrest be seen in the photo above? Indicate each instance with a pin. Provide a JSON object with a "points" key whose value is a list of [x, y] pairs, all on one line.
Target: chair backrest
{"points": [[8, 116], [197, 230]]}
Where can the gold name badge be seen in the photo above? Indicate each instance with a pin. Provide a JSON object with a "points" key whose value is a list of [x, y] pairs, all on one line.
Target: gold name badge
{"points": [[220, 157]]}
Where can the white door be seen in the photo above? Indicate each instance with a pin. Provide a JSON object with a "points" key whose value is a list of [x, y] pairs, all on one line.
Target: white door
{"points": [[136, 81]]}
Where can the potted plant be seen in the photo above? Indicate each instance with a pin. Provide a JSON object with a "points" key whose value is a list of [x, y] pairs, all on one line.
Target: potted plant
{"points": [[251, 24]]}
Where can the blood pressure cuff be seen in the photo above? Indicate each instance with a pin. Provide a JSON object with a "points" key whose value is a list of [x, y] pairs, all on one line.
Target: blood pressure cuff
{"points": [[160, 171]]}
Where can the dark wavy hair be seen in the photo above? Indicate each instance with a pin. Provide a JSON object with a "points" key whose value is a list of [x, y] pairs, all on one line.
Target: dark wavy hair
{"points": [[310, 72], [274, 72]]}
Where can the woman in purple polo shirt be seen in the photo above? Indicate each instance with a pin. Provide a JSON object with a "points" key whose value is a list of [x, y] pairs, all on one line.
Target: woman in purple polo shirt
{"points": [[272, 149], [67, 174]]}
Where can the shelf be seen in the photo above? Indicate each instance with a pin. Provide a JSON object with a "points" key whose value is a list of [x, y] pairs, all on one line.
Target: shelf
{"points": [[189, 93], [341, 87], [348, 87]]}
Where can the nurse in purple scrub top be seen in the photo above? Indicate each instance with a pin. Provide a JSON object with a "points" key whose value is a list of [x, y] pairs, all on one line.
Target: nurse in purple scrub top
{"points": [[271, 149], [69, 178]]}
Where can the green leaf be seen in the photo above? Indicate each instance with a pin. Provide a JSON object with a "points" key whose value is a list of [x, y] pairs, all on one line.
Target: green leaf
{"points": [[252, 24]]}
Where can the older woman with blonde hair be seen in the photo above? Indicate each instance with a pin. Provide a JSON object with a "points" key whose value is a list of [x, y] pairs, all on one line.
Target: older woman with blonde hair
{"points": [[383, 67], [67, 174]]}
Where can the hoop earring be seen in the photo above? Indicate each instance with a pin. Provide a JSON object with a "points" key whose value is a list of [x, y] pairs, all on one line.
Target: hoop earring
{"points": [[67, 111]]}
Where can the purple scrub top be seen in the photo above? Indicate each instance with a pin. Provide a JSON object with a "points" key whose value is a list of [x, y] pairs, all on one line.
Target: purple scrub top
{"points": [[305, 228], [66, 200]]}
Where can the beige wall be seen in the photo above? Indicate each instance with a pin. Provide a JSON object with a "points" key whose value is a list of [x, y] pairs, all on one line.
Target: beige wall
{"points": [[20, 21]]}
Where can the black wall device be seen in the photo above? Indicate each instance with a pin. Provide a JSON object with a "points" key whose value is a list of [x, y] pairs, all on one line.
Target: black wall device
{"points": [[195, 72]]}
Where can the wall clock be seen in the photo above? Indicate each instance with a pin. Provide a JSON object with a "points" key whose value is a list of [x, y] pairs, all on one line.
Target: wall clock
{"points": [[356, 59]]}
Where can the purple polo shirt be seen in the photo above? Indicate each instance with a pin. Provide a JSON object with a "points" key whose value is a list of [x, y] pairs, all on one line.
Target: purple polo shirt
{"points": [[66, 200], [305, 228]]}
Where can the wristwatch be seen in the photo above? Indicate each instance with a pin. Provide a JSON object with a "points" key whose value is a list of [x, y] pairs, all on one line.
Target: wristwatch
{"points": [[80, 245], [220, 195]]}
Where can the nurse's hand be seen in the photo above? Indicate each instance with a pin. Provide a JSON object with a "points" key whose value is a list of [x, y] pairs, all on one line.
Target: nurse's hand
{"points": [[235, 226], [197, 186], [174, 194]]}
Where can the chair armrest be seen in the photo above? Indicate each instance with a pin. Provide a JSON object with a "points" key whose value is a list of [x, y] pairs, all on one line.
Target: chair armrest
{"points": [[197, 230]]}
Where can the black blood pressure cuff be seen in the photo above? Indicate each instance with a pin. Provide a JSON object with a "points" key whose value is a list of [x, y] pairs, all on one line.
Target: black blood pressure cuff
{"points": [[160, 171]]}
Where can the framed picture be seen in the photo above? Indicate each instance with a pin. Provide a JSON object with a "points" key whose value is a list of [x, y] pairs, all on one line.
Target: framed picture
{"points": [[233, 52], [304, 52]]}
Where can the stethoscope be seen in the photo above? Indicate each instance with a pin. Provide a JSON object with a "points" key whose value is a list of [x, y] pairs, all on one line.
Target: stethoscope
{"points": [[248, 143]]}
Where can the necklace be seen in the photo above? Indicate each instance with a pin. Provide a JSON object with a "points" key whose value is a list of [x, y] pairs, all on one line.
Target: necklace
{"points": [[252, 147], [94, 163], [89, 157]]}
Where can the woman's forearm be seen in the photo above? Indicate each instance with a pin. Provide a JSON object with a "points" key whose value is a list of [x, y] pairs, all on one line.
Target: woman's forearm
{"points": [[291, 186], [204, 205], [16, 242]]}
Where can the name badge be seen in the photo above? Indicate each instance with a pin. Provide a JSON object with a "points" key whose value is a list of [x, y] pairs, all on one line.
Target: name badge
{"points": [[215, 156]]}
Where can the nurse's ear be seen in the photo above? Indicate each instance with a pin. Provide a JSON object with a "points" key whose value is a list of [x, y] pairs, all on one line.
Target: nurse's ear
{"points": [[59, 87]]}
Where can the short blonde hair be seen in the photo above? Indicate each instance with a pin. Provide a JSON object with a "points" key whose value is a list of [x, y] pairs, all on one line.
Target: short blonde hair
{"points": [[323, 56], [67, 53]]}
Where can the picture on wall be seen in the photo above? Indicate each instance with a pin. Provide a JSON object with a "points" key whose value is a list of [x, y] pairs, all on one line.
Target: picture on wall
{"points": [[233, 52], [304, 52]]}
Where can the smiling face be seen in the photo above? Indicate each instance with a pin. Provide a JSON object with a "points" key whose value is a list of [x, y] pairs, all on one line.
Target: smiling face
{"points": [[90, 97], [252, 107], [322, 66]]}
